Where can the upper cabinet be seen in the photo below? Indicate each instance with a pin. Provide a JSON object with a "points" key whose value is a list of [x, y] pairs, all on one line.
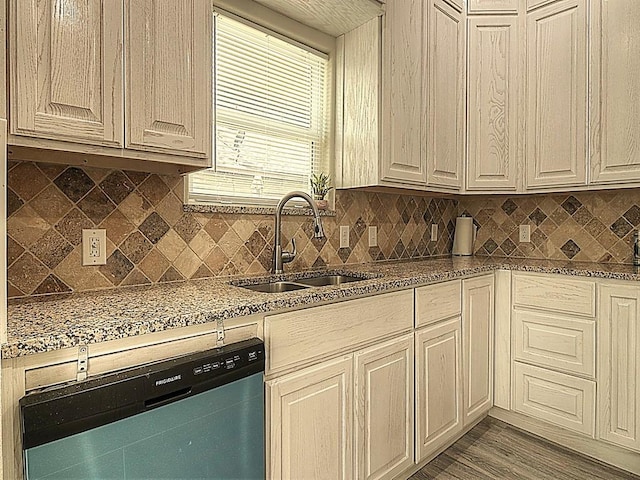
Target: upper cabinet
{"points": [[446, 95], [402, 105], [402, 122], [165, 112], [66, 70], [556, 96], [494, 93], [68, 65], [615, 87]]}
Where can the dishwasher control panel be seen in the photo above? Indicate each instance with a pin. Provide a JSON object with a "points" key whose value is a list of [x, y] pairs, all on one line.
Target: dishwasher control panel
{"points": [[225, 362]]}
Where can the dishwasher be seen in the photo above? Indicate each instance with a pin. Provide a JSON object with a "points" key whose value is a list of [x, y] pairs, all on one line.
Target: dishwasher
{"points": [[194, 416]]}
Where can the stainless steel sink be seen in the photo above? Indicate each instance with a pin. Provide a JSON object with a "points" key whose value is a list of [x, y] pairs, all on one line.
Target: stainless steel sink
{"points": [[325, 280], [281, 286], [275, 287]]}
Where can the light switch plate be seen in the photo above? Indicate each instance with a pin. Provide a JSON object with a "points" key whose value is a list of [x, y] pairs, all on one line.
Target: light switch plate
{"points": [[94, 247], [344, 236], [434, 232], [525, 233], [373, 236]]}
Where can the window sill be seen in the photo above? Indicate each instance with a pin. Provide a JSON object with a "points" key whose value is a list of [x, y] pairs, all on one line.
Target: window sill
{"points": [[245, 210]]}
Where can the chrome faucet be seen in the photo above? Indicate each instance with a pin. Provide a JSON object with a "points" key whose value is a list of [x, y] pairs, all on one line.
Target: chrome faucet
{"points": [[280, 257]]}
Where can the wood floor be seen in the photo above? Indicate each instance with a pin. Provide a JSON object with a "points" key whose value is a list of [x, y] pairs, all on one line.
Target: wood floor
{"points": [[495, 450]]}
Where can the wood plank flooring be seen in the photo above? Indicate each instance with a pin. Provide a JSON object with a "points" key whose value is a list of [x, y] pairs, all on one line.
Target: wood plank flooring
{"points": [[495, 450]]}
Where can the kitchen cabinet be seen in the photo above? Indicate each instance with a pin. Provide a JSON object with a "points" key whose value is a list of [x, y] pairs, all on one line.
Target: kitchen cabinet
{"points": [[477, 346], [168, 73], [311, 435], [66, 70], [494, 98], [556, 96], [438, 386], [311, 418], [384, 409], [402, 105], [619, 365], [135, 93], [446, 87], [554, 350], [615, 88], [438, 340], [402, 122]]}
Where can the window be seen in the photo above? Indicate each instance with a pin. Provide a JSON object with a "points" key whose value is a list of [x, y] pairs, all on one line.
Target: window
{"points": [[271, 114]]}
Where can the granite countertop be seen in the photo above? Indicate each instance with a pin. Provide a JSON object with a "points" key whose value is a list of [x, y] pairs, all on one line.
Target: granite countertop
{"points": [[57, 322]]}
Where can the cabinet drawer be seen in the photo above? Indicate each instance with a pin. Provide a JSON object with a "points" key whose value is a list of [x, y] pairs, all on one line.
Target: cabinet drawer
{"points": [[554, 341], [557, 398], [314, 333], [555, 293], [438, 302]]}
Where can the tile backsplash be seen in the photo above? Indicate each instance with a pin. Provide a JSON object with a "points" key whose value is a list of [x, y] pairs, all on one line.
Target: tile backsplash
{"points": [[586, 226], [151, 239]]}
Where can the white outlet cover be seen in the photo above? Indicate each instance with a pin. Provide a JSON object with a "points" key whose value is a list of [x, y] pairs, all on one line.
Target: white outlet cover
{"points": [[373, 236], [434, 232], [94, 246], [344, 236], [525, 233]]}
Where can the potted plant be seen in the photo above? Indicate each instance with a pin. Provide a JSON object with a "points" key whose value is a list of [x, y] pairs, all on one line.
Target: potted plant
{"points": [[320, 187]]}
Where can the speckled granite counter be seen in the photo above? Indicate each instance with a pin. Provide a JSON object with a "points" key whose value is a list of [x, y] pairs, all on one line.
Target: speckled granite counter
{"points": [[53, 323]]}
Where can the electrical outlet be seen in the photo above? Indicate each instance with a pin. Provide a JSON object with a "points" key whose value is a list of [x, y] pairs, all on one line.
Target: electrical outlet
{"points": [[373, 236], [344, 236], [434, 232], [94, 247], [525, 233]]}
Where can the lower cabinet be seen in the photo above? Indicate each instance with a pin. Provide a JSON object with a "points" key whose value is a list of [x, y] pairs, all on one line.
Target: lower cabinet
{"points": [[438, 386], [384, 409], [619, 365], [310, 422], [315, 425], [477, 346]]}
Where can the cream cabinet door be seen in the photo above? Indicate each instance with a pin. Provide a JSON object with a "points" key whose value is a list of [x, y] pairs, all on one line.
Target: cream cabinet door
{"points": [[619, 365], [66, 70], [384, 409], [493, 103], [169, 75], [556, 95], [402, 105], [309, 420], [615, 86], [438, 386], [446, 89], [477, 346]]}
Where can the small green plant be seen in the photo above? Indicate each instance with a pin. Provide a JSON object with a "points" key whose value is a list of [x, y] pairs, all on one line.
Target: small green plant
{"points": [[320, 185]]}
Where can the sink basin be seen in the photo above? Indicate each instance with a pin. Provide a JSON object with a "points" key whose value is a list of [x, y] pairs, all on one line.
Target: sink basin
{"points": [[291, 285], [275, 287], [325, 280]]}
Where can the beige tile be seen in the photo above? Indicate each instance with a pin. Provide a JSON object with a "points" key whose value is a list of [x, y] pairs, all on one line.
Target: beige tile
{"points": [[26, 226], [202, 244], [216, 260], [230, 243], [170, 208], [51, 204], [27, 273], [154, 265], [117, 226], [171, 245], [187, 263], [135, 208]]}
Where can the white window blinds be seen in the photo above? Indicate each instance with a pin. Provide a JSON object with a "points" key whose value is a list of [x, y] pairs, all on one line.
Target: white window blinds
{"points": [[270, 117]]}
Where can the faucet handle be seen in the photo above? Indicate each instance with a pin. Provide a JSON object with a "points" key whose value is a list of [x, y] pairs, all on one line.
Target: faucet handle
{"points": [[290, 256]]}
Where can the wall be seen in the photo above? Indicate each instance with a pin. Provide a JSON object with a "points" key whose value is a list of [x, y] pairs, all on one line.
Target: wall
{"points": [[587, 226], [151, 239]]}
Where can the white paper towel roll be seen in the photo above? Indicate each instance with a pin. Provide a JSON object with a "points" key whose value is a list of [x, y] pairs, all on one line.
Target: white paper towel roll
{"points": [[464, 236]]}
